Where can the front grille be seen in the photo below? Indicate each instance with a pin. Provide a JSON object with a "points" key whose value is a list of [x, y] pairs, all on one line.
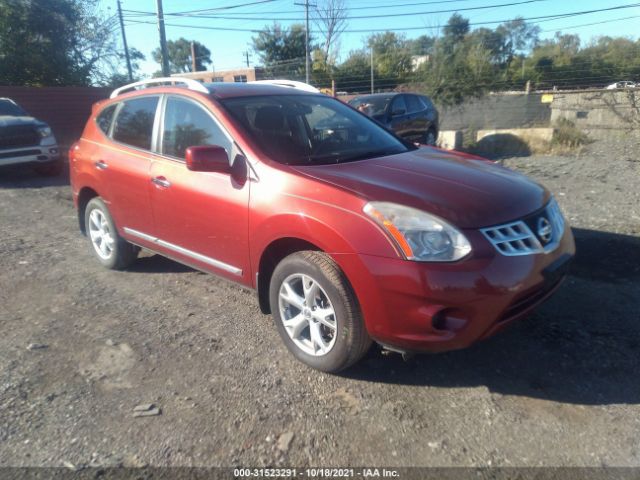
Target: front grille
{"points": [[537, 233], [16, 136]]}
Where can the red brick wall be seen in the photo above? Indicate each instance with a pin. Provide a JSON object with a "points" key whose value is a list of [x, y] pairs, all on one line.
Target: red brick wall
{"points": [[65, 109]]}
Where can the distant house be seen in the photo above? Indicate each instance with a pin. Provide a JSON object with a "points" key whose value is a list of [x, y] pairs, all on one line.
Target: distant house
{"points": [[417, 60], [238, 76]]}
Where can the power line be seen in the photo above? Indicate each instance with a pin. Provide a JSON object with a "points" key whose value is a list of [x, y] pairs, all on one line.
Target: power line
{"points": [[229, 7], [590, 24], [372, 7], [537, 19], [362, 17]]}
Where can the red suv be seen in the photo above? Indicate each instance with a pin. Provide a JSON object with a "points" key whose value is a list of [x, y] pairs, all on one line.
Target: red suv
{"points": [[347, 233]]}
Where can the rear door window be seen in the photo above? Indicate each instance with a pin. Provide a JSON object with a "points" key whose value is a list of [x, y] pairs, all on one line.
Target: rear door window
{"points": [[134, 123], [187, 124], [398, 107]]}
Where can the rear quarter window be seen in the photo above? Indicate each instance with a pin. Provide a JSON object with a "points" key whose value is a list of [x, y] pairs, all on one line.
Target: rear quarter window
{"points": [[134, 123], [105, 118]]}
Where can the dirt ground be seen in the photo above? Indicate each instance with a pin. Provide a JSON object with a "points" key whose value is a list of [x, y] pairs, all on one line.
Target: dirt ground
{"points": [[81, 346]]}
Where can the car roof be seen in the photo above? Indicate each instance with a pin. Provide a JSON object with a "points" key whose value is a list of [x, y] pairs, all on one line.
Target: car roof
{"points": [[222, 90], [376, 95]]}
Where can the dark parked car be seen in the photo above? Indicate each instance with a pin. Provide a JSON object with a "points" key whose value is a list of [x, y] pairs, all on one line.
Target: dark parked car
{"points": [[409, 115], [25, 140]]}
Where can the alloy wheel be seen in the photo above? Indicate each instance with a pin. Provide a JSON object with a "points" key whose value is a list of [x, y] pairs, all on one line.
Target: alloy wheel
{"points": [[100, 234], [307, 314]]}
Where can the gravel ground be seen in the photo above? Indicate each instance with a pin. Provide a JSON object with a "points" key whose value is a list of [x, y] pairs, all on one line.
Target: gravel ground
{"points": [[81, 346]]}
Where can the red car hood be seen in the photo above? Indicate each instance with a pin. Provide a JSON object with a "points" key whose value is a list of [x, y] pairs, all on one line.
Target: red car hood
{"points": [[468, 193]]}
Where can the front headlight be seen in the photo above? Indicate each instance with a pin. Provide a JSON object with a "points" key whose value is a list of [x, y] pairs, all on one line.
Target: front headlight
{"points": [[420, 236], [45, 131]]}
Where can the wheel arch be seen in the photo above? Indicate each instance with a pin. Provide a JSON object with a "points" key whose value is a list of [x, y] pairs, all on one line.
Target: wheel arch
{"points": [[272, 255], [84, 196]]}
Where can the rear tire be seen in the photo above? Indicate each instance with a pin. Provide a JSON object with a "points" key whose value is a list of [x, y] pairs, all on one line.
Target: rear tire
{"points": [[317, 313], [111, 250]]}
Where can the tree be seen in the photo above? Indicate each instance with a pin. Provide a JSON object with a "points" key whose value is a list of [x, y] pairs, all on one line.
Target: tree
{"points": [[53, 42], [423, 45], [391, 58], [456, 28], [118, 77], [519, 36], [179, 52], [353, 74], [282, 50], [330, 17]]}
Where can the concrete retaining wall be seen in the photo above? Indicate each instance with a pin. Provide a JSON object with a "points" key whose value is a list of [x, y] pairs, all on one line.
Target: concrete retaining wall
{"points": [[599, 112]]}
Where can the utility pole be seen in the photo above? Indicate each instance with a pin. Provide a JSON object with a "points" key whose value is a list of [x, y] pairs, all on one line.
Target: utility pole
{"points": [[124, 41], [193, 56], [246, 55], [371, 52], [163, 40], [306, 38]]}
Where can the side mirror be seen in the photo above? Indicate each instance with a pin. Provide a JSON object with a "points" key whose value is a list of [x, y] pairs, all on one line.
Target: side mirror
{"points": [[207, 158]]}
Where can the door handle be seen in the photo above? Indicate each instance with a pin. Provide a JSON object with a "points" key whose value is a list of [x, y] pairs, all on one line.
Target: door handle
{"points": [[101, 165], [161, 182]]}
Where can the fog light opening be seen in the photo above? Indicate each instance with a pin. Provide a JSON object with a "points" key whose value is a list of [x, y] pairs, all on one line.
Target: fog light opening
{"points": [[439, 320], [448, 320]]}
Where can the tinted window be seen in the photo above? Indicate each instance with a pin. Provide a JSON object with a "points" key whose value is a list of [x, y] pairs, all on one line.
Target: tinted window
{"points": [[11, 109], [413, 104], [371, 105], [188, 125], [311, 129], [105, 118], [398, 104], [427, 102], [134, 123]]}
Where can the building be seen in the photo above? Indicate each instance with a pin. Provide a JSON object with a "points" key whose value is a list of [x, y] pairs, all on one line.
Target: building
{"points": [[240, 75], [418, 60]]}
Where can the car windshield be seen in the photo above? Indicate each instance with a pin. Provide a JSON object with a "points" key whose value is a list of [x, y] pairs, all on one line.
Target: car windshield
{"points": [[371, 105], [311, 129], [11, 109]]}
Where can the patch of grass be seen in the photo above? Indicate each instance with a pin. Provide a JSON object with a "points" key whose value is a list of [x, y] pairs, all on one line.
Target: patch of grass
{"points": [[568, 136]]}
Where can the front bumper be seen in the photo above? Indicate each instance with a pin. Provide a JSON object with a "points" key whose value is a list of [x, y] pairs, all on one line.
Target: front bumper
{"points": [[412, 306], [36, 155]]}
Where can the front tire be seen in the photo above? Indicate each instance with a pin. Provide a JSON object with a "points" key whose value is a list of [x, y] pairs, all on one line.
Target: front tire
{"points": [[316, 312], [431, 137], [110, 249]]}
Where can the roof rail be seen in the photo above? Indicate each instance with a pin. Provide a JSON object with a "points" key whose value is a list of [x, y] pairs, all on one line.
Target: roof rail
{"points": [[289, 83], [189, 82]]}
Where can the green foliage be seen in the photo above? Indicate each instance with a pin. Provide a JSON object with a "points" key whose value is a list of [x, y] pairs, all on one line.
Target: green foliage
{"points": [[179, 52], [354, 73], [282, 50], [459, 64], [391, 58], [53, 42]]}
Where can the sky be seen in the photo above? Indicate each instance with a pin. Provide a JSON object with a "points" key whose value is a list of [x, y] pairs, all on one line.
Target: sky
{"points": [[228, 47]]}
